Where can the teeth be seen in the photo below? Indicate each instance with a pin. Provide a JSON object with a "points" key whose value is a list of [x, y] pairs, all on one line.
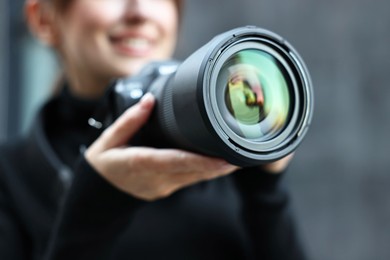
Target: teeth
{"points": [[136, 43]]}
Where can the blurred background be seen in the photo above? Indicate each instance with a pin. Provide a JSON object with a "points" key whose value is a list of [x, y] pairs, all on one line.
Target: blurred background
{"points": [[340, 177]]}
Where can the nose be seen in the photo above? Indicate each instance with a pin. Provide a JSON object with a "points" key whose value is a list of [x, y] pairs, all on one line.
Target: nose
{"points": [[136, 10]]}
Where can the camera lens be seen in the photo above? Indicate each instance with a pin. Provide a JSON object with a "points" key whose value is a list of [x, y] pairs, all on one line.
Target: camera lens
{"points": [[245, 96], [256, 103], [256, 97]]}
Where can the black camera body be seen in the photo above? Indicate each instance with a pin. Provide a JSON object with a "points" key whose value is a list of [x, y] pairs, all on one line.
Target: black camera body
{"points": [[246, 97], [153, 78]]}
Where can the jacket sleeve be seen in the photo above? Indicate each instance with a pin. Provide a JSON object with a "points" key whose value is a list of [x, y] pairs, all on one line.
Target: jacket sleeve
{"points": [[268, 216], [91, 217]]}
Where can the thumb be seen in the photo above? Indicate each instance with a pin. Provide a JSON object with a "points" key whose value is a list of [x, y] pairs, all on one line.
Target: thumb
{"points": [[127, 124]]}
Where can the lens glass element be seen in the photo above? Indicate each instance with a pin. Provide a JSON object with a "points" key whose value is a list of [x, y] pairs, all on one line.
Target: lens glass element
{"points": [[255, 102]]}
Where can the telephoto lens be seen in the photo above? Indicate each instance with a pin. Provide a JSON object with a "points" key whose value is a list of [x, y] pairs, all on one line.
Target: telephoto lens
{"points": [[246, 96]]}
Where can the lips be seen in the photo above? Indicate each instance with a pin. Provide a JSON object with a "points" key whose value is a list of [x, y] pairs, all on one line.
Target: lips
{"points": [[135, 46]]}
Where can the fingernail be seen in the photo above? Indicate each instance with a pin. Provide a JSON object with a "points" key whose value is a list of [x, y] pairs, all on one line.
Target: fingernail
{"points": [[147, 100], [147, 97]]}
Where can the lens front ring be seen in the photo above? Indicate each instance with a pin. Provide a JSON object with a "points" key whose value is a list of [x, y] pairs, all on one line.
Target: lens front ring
{"points": [[285, 141]]}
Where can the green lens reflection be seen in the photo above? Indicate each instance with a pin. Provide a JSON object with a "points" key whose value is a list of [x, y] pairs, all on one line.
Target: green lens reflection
{"points": [[256, 94]]}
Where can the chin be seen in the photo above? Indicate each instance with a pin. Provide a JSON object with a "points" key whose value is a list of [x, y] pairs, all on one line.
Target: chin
{"points": [[133, 66], [121, 73], [132, 69]]}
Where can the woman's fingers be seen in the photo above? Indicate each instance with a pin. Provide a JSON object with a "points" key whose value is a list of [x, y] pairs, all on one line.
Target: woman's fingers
{"points": [[127, 124], [173, 160], [151, 174], [143, 172], [169, 170]]}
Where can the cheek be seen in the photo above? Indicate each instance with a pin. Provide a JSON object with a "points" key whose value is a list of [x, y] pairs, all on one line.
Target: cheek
{"points": [[168, 24], [93, 15], [169, 20], [82, 31], [86, 27]]}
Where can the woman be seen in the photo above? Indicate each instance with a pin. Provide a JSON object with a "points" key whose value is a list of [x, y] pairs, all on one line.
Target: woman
{"points": [[112, 201]]}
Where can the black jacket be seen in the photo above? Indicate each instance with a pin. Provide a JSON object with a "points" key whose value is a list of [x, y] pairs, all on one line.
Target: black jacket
{"points": [[52, 211]]}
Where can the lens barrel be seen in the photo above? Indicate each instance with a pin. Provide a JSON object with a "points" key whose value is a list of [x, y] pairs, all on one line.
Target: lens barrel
{"points": [[246, 96]]}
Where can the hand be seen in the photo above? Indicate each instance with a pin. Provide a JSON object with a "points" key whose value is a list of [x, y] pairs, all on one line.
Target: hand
{"points": [[144, 172]]}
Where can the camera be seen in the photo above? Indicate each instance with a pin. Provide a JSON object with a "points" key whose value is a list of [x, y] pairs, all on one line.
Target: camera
{"points": [[246, 96]]}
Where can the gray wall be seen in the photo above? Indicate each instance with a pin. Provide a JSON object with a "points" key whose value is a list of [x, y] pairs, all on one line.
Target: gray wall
{"points": [[340, 177]]}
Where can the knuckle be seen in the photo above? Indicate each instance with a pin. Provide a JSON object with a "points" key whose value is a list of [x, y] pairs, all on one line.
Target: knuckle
{"points": [[138, 159]]}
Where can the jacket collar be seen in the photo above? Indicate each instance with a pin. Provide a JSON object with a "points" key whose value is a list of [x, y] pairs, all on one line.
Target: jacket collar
{"points": [[43, 158]]}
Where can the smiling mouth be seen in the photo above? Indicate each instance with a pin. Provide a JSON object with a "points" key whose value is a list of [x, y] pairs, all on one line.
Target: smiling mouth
{"points": [[133, 46], [136, 43]]}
